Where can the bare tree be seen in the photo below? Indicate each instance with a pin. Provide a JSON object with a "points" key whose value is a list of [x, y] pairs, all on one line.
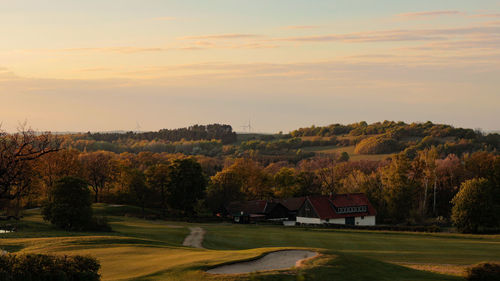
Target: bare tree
{"points": [[17, 151]]}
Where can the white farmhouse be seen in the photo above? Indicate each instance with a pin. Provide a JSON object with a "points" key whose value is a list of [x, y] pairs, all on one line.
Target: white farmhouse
{"points": [[350, 209]]}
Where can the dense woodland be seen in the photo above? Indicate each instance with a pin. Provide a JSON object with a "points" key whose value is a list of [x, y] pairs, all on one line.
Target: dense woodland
{"points": [[428, 169]]}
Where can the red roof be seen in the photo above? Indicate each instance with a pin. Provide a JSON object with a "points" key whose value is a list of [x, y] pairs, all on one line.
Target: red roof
{"points": [[292, 204], [325, 206], [248, 207]]}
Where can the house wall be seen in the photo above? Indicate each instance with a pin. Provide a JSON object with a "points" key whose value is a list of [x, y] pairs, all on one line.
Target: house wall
{"points": [[310, 220], [368, 220], [307, 211], [278, 212], [337, 221]]}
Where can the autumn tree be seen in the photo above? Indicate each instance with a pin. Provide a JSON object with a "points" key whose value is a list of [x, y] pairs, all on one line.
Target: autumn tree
{"points": [[255, 181], [98, 170], [63, 163], [425, 164], [17, 152], [286, 183], [223, 188], [399, 188]]}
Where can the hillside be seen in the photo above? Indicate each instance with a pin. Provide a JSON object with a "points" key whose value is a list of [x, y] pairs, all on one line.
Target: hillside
{"points": [[361, 141]]}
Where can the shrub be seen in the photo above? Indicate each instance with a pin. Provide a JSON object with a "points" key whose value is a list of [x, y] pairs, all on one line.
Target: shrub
{"points": [[377, 145], [69, 204], [36, 267], [475, 206], [98, 224], [484, 272]]}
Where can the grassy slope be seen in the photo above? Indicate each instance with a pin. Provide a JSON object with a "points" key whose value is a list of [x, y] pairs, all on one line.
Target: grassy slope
{"points": [[349, 149], [148, 250]]}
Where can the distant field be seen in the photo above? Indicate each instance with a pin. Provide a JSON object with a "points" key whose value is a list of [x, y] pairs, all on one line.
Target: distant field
{"points": [[151, 250], [349, 149]]}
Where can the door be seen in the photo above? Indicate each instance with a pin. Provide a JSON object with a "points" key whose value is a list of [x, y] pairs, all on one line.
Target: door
{"points": [[349, 221]]}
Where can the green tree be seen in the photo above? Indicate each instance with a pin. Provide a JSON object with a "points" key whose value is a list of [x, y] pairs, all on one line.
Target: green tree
{"points": [[286, 183], [186, 184], [137, 188], [224, 187], [157, 178], [399, 188], [69, 204], [476, 206]]}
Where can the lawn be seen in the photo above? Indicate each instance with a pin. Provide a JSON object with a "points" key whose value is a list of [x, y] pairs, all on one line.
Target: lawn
{"points": [[152, 250]]}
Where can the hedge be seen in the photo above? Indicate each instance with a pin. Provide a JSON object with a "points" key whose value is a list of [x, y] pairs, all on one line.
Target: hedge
{"points": [[37, 267]]}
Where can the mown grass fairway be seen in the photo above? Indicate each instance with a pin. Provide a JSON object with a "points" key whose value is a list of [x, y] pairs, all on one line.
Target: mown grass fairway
{"points": [[151, 250]]}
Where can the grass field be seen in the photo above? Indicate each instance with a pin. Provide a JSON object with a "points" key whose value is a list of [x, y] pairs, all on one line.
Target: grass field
{"points": [[151, 250], [349, 149]]}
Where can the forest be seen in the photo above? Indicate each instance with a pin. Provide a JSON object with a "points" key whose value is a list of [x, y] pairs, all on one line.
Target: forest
{"points": [[422, 175]]}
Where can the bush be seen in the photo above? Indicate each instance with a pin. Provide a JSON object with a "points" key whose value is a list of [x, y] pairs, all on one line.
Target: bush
{"points": [[99, 224], [484, 272], [69, 204], [36, 267], [377, 145], [475, 206]]}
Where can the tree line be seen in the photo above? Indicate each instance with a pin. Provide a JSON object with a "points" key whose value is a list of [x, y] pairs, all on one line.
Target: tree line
{"points": [[414, 186]]}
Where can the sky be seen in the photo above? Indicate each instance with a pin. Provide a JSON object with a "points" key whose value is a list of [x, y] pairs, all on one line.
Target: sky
{"points": [[103, 65]]}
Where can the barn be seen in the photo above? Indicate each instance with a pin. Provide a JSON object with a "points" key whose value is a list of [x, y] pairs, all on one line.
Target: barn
{"points": [[349, 209], [293, 205], [256, 210]]}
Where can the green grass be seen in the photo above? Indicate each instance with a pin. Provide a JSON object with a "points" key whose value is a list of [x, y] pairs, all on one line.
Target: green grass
{"points": [[151, 250]]}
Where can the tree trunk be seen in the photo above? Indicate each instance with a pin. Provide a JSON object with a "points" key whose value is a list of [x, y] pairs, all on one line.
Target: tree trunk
{"points": [[425, 196], [434, 204]]}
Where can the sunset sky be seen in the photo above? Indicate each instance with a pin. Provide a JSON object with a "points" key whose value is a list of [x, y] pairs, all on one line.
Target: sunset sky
{"points": [[112, 64]]}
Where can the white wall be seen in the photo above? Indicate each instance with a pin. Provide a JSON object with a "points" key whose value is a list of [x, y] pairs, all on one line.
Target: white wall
{"points": [[337, 221], [309, 220], [367, 220]]}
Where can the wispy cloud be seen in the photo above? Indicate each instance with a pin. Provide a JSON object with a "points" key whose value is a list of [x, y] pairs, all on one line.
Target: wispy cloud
{"points": [[301, 27], [486, 16], [221, 36], [398, 35], [123, 49], [429, 14]]}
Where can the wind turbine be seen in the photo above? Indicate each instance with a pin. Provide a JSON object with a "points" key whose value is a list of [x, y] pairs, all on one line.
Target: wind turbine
{"points": [[249, 126]]}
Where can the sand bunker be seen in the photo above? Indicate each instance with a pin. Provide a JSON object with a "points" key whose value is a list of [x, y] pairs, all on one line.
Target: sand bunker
{"points": [[272, 261], [195, 238]]}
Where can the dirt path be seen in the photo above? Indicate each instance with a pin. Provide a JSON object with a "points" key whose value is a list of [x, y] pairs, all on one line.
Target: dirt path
{"points": [[272, 261], [195, 238]]}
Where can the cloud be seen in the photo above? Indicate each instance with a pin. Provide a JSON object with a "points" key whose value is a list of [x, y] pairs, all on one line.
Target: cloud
{"points": [[428, 14], [301, 26], [122, 49], [486, 16], [398, 35], [221, 36]]}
